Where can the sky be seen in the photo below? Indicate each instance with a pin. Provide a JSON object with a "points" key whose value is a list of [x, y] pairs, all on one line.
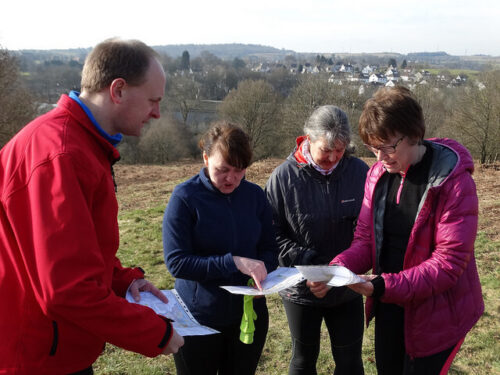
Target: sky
{"points": [[320, 26]]}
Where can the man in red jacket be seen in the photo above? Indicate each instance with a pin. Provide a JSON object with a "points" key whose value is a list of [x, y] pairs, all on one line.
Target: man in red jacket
{"points": [[61, 284]]}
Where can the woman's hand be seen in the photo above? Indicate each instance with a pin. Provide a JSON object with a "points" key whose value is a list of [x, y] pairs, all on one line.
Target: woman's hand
{"points": [[365, 288], [256, 269], [318, 288]]}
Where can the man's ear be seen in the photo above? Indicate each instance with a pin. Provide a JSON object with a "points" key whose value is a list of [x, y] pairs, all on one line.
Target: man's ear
{"points": [[116, 89]]}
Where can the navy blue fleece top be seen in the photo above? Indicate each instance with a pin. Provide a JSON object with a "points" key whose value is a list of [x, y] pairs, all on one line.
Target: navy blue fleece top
{"points": [[202, 230]]}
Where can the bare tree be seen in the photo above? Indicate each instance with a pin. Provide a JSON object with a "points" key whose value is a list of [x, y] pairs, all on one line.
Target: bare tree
{"points": [[476, 117], [434, 106], [255, 106], [16, 104], [165, 140], [314, 91], [183, 95], [311, 92]]}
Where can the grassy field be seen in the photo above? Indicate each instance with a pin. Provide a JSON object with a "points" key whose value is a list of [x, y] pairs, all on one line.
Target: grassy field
{"points": [[455, 72], [143, 192]]}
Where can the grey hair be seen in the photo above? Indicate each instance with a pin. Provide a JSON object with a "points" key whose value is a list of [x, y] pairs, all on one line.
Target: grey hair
{"points": [[331, 123]]}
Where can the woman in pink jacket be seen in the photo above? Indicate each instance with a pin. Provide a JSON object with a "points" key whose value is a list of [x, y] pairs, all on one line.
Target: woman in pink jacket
{"points": [[416, 231]]}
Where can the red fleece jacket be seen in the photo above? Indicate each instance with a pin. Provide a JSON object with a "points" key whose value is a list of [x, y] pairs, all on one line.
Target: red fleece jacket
{"points": [[61, 285]]}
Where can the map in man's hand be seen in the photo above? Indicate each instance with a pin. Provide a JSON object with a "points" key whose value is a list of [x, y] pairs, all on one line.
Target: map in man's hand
{"points": [[182, 320]]}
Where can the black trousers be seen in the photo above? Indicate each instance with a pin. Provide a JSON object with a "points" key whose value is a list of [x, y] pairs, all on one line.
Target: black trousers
{"points": [[390, 353], [223, 353], [87, 371], [345, 327]]}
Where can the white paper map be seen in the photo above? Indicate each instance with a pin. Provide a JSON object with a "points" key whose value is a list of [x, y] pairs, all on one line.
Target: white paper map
{"points": [[279, 279], [285, 277], [331, 275], [182, 320]]}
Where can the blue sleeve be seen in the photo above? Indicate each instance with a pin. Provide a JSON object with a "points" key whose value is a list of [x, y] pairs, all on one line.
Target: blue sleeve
{"points": [[267, 247], [181, 259]]}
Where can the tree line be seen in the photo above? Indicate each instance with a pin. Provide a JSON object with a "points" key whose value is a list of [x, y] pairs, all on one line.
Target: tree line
{"points": [[272, 107]]}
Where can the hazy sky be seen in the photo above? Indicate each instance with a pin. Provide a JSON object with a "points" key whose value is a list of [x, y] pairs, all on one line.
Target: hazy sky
{"points": [[455, 26]]}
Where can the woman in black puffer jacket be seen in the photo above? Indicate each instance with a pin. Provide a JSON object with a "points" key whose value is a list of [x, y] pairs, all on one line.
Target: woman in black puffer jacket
{"points": [[316, 196]]}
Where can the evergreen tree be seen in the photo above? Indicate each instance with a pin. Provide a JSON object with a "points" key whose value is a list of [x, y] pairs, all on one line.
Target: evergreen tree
{"points": [[185, 64]]}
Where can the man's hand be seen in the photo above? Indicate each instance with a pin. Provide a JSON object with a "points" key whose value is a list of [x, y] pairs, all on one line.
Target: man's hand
{"points": [[142, 285], [318, 288], [176, 341], [256, 269]]}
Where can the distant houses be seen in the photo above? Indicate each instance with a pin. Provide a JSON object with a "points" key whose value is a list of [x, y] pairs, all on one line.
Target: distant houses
{"points": [[351, 73]]}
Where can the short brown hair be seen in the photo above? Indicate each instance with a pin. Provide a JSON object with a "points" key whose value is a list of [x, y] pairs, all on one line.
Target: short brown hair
{"points": [[389, 111], [231, 141], [115, 58]]}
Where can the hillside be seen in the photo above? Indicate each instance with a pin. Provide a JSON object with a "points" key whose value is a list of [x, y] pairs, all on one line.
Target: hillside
{"points": [[267, 53]]}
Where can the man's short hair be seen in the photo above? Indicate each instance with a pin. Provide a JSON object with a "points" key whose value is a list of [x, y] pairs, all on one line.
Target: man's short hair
{"points": [[116, 58]]}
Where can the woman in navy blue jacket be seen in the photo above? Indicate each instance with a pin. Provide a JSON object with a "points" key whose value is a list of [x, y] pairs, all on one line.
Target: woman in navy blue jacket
{"points": [[217, 230]]}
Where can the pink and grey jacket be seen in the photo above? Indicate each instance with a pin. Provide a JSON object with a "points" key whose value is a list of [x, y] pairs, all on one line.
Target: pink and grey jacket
{"points": [[439, 285]]}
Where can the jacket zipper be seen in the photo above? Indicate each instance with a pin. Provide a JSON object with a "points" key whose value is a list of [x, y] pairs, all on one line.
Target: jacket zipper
{"points": [[55, 339], [400, 189], [113, 177]]}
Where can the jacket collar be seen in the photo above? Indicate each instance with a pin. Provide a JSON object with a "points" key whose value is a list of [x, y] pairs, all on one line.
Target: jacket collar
{"points": [[300, 161], [113, 139], [205, 180], [448, 158], [77, 112]]}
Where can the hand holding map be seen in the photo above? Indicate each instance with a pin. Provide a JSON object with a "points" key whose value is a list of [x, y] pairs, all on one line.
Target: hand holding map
{"points": [[182, 320], [331, 275], [275, 281], [285, 277]]}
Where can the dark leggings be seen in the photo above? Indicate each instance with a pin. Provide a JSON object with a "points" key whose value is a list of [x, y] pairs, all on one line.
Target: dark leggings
{"points": [[390, 353], [223, 353], [345, 326], [87, 371]]}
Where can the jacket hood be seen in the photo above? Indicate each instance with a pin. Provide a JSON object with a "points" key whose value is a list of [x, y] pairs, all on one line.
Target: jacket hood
{"points": [[296, 154], [450, 158], [298, 159], [464, 162]]}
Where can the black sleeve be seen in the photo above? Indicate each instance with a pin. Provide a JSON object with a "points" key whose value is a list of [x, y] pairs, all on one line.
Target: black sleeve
{"points": [[378, 286]]}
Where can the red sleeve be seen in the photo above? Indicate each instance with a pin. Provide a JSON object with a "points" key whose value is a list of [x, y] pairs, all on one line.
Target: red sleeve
{"points": [[123, 277]]}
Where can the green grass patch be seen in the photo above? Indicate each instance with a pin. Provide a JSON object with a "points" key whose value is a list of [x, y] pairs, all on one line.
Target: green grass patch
{"points": [[454, 72]]}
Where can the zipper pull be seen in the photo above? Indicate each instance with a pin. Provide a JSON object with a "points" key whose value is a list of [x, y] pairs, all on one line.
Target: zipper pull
{"points": [[400, 189], [113, 176]]}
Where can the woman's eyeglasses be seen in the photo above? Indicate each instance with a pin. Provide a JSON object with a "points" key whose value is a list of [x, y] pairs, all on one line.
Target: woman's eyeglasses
{"points": [[385, 149]]}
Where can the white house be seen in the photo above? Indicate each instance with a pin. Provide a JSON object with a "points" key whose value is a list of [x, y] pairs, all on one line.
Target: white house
{"points": [[377, 79], [392, 74], [336, 81], [367, 70]]}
